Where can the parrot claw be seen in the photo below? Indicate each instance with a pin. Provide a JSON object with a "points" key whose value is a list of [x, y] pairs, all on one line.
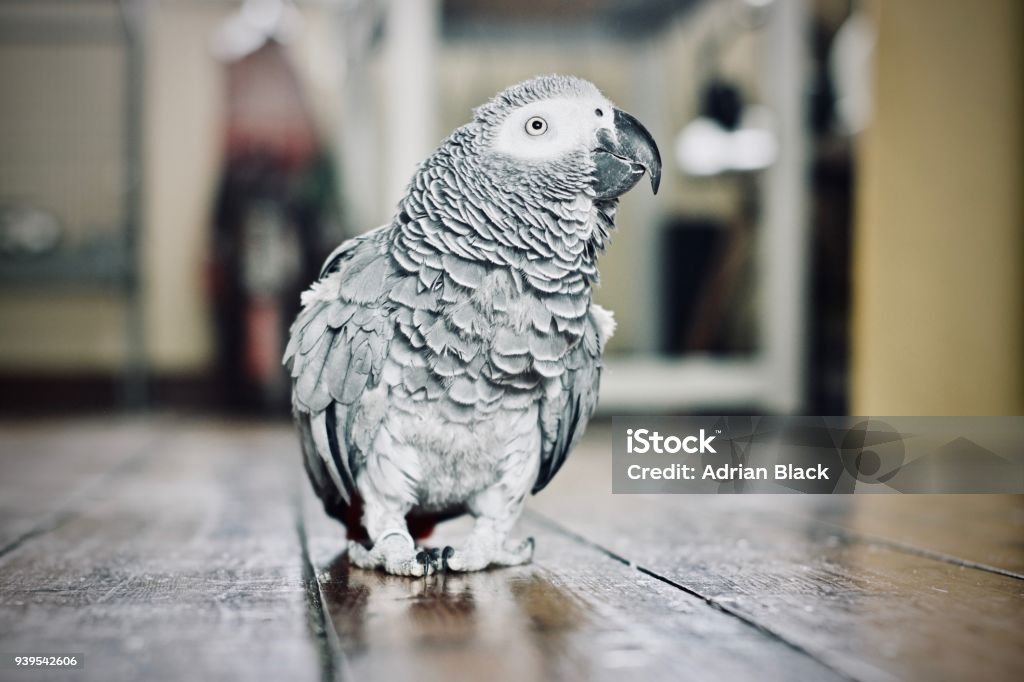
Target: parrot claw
{"points": [[393, 555], [476, 559], [426, 559], [434, 559], [446, 554]]}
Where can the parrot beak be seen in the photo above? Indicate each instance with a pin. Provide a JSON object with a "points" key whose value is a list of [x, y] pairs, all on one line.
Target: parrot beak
{"points": [[623, 156]]}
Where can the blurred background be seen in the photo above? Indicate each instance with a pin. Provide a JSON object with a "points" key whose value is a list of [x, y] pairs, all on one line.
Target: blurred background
{"points": [[840, 227]]}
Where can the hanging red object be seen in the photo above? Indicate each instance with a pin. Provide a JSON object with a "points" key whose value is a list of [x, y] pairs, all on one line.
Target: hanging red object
{"points": [[274, 203]]}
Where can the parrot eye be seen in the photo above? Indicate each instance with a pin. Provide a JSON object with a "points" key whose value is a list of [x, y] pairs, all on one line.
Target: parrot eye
{"points": [[599, 113], [536, 126]]}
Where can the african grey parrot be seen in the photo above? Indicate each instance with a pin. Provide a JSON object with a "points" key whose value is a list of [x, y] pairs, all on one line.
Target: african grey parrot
{"points": [[447, 362]]}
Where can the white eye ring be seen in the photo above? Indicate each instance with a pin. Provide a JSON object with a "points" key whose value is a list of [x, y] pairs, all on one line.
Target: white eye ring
{"points": [[535, 125]]}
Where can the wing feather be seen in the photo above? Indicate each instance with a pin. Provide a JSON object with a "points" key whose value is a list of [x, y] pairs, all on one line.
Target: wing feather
{"points": [[564, 413], [336, 354]]}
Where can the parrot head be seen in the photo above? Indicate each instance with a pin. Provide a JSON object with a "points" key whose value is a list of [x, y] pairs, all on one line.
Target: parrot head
{"points": [[560, 134]]}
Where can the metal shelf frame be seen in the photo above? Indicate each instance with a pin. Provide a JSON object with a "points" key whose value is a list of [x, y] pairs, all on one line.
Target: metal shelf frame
{"points": [[113, 260]]}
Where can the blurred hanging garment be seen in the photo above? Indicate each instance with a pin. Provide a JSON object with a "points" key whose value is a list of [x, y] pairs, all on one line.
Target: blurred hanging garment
{"points": [[275, 210]]}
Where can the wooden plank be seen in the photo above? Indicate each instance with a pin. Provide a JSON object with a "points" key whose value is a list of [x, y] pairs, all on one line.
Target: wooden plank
{"points": [[575, 613], [186, 567], [46, 465], [984, 530], [867, 609], [186, 562]]}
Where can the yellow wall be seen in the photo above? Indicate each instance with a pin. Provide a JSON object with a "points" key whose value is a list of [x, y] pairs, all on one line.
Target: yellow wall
{"points": [[183, 122], [939, 256]]}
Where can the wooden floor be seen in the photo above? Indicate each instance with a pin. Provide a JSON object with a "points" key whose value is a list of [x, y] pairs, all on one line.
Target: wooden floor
{"points": [[170, 548]]}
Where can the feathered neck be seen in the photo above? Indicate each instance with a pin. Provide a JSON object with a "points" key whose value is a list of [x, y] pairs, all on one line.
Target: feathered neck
{"points": [[477, 207]]}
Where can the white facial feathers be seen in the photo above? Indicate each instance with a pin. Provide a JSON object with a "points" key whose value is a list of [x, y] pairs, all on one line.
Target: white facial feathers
{"points": [[551, 128]]}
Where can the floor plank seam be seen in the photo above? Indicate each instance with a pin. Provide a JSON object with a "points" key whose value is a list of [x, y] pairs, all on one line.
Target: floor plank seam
{"points": [[321, 626], [51, 523], [73, 505], [710, 601], [896, 545], [851, 536]]}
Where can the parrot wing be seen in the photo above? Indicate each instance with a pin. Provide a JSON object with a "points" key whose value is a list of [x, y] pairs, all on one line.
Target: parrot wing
{"points": [[564, 413], [335, 355]]}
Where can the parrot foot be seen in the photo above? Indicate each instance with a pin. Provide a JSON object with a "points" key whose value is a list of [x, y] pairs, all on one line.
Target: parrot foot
{"points": [[393, 554], [477, 558], [430, 558]]}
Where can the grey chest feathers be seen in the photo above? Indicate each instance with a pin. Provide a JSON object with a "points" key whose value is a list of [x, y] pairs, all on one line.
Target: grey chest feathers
{"points": [[439, 375]]}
